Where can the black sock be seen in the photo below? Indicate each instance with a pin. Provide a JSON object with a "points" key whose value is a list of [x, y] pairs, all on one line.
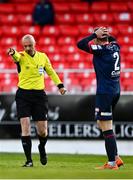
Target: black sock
{"points": [[116, 151], [26, 143], [110, 144], [43, 140]]}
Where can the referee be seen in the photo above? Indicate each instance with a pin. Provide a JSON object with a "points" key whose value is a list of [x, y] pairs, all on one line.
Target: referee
{"points": [[31, 98]]}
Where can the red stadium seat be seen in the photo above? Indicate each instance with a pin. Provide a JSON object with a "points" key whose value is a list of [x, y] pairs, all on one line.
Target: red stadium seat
{"points": [[130, 6], [26, 8], [9, 86], [75, 57], [85, 65], [125, 29], [75, 83], [106, 18], [8, 41], [25, 19], [69, 30], [85, 30], [66, 40], [11, 31], [57, 57], [118, 7], [7, 8], [50, 49], [122, 17], [34, 30], [74, 64], [65, 18], [82, 7], [127, 49], [68, 49], [9, 19], [100, 7], [127, 83], [51, 31], [46, 41], [61, 7], [61, 65], [84, 18], [125, 40], [129, 58], [113, 30]]}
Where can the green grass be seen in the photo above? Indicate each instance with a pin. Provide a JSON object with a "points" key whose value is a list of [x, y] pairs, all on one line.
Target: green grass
{"points": [[62, 167]]}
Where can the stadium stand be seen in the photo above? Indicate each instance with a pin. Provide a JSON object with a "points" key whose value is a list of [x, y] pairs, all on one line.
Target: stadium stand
{"points": [[74, 19]]}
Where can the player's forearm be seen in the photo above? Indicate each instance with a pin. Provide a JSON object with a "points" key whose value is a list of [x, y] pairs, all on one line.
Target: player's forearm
{"points": [[83, 43], [55, 78], [16, 56]]}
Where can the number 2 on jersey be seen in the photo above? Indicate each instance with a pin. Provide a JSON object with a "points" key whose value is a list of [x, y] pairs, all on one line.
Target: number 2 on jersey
{"points": [[116, 57]]}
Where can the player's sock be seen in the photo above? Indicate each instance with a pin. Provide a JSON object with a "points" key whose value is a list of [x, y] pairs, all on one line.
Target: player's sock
{"points": [[42, 140], [116, 153], [26, 143], [110, 145], [42, 151]]}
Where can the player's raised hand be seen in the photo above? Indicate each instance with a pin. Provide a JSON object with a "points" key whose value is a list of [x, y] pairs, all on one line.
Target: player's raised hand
{"points": [[62, 91], [101, 32], [10, 51]]}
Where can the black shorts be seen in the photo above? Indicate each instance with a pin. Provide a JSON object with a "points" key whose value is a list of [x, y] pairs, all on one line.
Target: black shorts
{"points": [[105, 104], [32, 103]]}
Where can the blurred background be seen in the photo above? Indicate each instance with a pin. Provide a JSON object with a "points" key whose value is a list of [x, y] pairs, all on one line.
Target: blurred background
{"points": [[61, 25]]}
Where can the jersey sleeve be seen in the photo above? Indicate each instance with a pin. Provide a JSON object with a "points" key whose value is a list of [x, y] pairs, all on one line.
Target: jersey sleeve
{"points": [[16, 56], [85, 43], [51, 72]]}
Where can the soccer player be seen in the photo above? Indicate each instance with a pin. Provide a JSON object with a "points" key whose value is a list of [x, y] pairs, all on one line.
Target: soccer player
{"points": [[106, 61], [31, 98]]}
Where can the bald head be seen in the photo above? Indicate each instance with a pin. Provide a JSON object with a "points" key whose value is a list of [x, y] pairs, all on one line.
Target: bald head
{"points": [[28, 37], [28, 43]]}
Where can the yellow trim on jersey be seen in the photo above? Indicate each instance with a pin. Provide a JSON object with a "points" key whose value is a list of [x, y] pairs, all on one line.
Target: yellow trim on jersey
{"points": [[31, 75]]}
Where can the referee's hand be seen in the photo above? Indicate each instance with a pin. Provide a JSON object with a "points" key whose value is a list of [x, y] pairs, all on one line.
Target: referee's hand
{"points": [[10, 51], [62, 91]]}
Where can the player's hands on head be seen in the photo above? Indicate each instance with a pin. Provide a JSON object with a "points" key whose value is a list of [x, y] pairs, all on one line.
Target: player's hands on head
{"points": [[102, 32], [10, 51], [62, 91]]}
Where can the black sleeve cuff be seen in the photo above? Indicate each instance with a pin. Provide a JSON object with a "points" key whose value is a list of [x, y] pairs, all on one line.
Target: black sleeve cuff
{"points": [[60, 86]]}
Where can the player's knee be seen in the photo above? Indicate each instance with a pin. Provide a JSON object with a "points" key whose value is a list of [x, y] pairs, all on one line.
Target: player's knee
{"points": [[43, 133], [105, 125], [25, 130]]}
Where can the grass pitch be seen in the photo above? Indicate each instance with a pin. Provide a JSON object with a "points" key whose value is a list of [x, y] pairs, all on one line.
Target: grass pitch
{"points": [[62, 166]]}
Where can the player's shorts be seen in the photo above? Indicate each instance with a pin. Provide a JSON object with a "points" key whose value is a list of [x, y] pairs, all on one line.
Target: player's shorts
{"points": [[105, 103], [32, 103]]}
